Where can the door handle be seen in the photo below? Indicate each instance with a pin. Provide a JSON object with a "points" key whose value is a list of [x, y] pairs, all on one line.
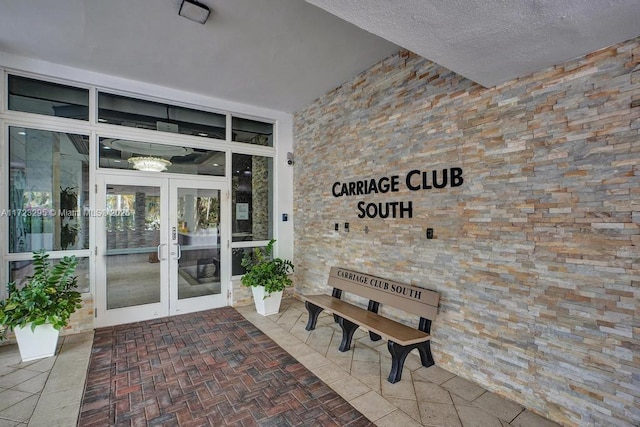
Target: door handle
{"points": [[159, 251], [179, 251]]}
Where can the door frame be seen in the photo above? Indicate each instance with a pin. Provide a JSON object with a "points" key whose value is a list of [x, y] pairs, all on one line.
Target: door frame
{"points": [[176, 305], [168, 304]]}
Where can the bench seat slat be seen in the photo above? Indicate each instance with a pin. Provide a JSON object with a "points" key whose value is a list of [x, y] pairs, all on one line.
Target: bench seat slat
{"points": [[387, 328]]}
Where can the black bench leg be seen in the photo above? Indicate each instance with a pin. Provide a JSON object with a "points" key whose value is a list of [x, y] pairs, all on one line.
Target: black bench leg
{"points": [[348, 329], [398, 355], [425, 354], [314, 312]]}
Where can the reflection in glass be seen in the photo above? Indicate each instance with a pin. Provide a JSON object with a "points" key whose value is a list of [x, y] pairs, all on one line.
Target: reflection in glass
{"points": [[51, 99], [19, 272], [142, 114], [199, 239], [236, 260], [252, 184], [133, 235], [252, 131], [48, 190], [117, 154]]}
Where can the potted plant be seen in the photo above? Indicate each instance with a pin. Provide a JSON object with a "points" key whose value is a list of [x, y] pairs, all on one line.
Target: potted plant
{"points": [[267, 277], [37, 311]]}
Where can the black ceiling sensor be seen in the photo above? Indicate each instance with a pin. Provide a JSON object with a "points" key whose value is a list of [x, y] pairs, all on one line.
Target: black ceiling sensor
{"points": [[194, 11]]}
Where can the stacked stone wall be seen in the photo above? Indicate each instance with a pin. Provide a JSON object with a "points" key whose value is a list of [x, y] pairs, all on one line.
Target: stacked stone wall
{"points": [[536, 254]]}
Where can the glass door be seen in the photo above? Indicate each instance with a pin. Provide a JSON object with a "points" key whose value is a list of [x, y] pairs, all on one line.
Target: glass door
{"points": [[195, 250], [158, 248]]}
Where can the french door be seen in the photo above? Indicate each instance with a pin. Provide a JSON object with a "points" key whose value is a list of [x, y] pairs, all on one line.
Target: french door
{"points": [[158, 247]]}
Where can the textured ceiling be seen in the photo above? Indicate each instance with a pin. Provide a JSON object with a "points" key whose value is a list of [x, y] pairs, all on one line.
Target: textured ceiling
{"points": [[492, 41], [278, 54], [282, 54]]}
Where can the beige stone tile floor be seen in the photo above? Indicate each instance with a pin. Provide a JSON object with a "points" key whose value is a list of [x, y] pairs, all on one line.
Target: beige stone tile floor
{"points": [[44, 392], [48, 392], [424, 397]]}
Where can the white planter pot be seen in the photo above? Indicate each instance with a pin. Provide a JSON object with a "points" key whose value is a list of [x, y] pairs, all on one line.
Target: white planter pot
{"points": [[38, 343], [269, 305]]}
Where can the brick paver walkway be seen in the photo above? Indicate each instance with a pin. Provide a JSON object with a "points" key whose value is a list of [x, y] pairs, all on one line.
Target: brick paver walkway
{"points": [[208, 368]]}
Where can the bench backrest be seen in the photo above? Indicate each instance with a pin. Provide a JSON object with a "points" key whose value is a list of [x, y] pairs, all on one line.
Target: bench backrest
{"points": [[411, 299]]}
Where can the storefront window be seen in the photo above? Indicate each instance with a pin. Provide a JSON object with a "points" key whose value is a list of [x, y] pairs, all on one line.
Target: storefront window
{"points": [[48, 190], [252, 198]]}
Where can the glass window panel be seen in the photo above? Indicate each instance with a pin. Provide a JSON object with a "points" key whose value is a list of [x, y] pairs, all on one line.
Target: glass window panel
{"points": [[51, 99], [138, 113], [20, 271], [48, 190], [199, 239], [252, 198], [236, 260], [252, 132], [122, 154], [133, 234]]}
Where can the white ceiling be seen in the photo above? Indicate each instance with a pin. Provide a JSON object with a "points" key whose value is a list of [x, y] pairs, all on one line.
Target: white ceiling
{"points": [[493, 41], [282, 54]]}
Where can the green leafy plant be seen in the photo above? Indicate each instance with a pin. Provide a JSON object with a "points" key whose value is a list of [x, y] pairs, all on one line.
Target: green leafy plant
{"points": [[264, 270], [49, 296]]}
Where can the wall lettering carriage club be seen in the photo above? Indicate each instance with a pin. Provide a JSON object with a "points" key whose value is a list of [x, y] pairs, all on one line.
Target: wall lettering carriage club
{"points": [[381, 284], [415, 180]]}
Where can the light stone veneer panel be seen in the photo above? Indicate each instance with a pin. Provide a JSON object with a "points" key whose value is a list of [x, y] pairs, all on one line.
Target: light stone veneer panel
{"points": [[532, 254]]}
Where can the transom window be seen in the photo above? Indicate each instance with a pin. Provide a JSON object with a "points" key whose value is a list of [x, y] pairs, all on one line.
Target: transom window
{"points": [[138, 113], [50, 99]]}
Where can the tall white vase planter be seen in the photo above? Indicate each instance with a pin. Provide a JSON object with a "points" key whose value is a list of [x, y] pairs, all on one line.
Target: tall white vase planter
{"points": [[38, 343], [268, 305]]}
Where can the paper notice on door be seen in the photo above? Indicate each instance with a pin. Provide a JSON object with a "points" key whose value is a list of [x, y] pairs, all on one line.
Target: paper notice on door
{"points": [[242, 211]]}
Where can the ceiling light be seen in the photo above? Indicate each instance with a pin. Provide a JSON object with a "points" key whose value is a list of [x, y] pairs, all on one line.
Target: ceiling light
{"points": [[149, 164], [194, 11]]}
